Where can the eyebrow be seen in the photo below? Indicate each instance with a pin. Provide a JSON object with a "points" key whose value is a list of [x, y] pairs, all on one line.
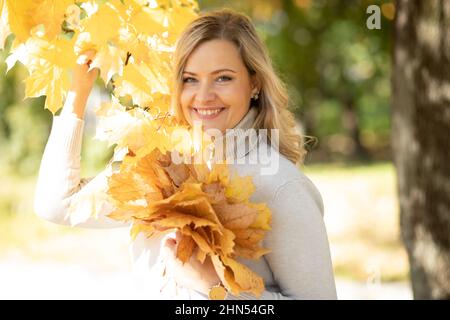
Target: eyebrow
{"points": [[214, 72]]}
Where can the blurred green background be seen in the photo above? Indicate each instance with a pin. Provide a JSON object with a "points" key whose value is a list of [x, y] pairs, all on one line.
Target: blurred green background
{"points": [[338, 74]]}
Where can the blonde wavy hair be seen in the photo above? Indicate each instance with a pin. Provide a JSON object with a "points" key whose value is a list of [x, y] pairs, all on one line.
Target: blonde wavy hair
{"points": [[273, 100]]}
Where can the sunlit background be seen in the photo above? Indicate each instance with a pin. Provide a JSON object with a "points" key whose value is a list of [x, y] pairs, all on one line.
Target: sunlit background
{"points": [[338, 73]]}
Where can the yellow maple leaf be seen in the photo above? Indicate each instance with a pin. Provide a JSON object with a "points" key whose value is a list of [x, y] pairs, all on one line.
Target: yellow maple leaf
{"points": [[137, 129], [239, 189], [217, 293], [49, 64], [174, 219], [204, 246], [185, 248], [114, 122], [248, 237], [110, 62], [134, 84], [187, 192], [197, 205], [219, 173], [263, 218], [50, 13], [174, 18], [50, 81], [103, 25], [141, 82], [141, 227], [241, 278], [237, 277], [236, 215], [250, 253], [225, 242], [24, 15], [181, 14], [21, 17], [149, 21], [165, 19], [127, 212], [126, 186]]}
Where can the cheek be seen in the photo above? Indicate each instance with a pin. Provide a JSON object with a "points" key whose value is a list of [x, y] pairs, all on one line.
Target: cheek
{"points": [[234, 95], [185, 98], [236, 110], [237, 98]]}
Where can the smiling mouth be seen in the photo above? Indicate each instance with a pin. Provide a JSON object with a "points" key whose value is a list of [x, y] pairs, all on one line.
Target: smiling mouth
{"points": [[209, 113]]}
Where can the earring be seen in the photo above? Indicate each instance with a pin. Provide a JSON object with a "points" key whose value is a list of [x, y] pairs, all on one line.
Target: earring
{"points": [[256, 96]]}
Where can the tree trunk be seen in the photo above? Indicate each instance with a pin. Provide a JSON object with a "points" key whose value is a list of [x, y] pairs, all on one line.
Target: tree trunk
{"points": [[350, 121], [421, 141]]}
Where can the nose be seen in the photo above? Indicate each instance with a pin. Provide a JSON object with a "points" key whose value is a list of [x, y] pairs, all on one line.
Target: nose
{"points": [[205, 93]]}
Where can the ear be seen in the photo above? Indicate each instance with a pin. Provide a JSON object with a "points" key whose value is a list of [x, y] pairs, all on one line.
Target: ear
{"points": [[255, 84]]}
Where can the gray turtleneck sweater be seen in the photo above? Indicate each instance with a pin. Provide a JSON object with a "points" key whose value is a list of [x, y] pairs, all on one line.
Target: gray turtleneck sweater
{"points": [[299, 264]]}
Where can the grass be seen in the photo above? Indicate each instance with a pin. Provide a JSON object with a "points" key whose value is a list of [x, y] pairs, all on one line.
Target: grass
{"points": [[340, 169], [18, 224], [362, 219], [23, 234]]}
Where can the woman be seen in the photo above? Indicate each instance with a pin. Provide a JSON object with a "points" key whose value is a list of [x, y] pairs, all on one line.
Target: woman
{"points": [[225, 80]]}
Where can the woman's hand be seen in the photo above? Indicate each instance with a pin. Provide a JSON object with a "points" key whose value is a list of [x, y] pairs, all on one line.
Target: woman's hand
{"points": [[83, 78], [82, 83], [193, 274]]}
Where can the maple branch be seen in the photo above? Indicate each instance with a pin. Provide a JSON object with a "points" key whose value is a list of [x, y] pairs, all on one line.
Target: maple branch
{"points": [[128, 58], [66, 30], [163, 120]]}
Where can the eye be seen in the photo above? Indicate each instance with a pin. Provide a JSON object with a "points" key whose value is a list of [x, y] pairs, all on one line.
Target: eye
{"points": [[188, 79], [224, 78]]}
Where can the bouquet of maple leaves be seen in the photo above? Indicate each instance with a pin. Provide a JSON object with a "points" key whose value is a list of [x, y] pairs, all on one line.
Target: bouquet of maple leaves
{"points": [[206, 203], [209, 207]]}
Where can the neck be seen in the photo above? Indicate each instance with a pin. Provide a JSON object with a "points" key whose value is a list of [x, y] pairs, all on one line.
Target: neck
{"points": [[237, 141], [248, 120]]}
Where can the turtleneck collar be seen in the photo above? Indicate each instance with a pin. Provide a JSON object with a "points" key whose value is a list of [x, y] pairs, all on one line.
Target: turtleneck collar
{"points": [[248, 120], [241, 142]]}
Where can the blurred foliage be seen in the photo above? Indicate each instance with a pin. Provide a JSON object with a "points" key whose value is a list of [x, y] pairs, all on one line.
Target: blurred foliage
{"points": [[24, 124], [337, 71]]}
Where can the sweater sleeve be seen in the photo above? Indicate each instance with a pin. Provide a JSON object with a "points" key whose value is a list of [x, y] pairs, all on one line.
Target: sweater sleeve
{"points": [[59, 184], [300, 257]]}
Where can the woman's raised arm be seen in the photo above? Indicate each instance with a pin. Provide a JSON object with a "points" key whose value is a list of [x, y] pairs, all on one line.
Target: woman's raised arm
{"points": [[59, 184]]}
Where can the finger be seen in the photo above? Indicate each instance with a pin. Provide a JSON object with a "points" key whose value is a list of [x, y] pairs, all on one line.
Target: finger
{"points": [[170, 242], [89, 53], [92, 67], [178, 236], [86, 57], [82, 59], [171, 238], [169, 250]]}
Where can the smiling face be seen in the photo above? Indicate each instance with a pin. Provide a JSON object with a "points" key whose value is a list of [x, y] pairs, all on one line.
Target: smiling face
{"points": [[217, 86]]}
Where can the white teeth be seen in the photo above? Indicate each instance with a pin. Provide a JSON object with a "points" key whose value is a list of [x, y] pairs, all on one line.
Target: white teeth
{"points": [[208, 112]]}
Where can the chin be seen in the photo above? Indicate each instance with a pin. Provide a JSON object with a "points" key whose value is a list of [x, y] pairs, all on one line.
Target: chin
{"points": [[207, 126]]}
